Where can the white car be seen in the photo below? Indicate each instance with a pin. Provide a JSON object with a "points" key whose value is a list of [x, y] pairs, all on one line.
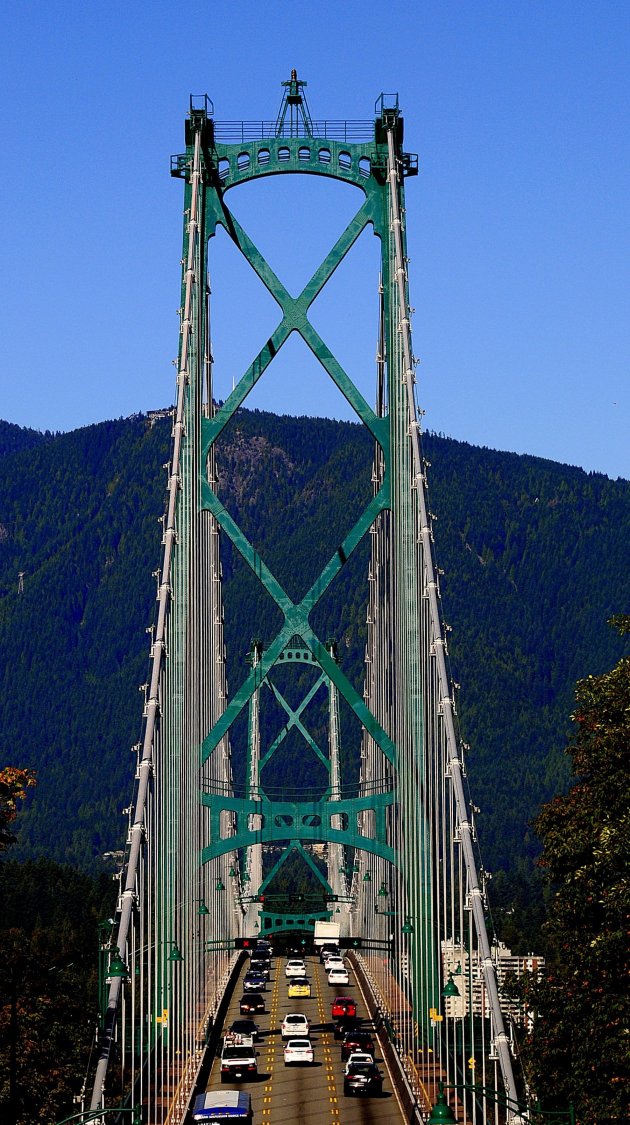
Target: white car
{"points": [[359, 1058], [298, 1051], [334, 963], [294, 1026], [295, 968], [338, 976]]}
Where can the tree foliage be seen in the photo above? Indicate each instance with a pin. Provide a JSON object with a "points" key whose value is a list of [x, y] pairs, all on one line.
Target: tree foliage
{"points": [[14, 783], [48, 986], [579, 1049]]}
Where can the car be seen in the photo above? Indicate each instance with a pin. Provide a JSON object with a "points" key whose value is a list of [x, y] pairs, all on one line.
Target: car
{"points": [[343, 1006], [254, 982], [333, 962], [297, 949], [338, 976], [357, 1040], [245, 1027], [298, 1051], [262, 943], [238, 1058], [362, 1078], [345, 1025], [298, 986], [262, 951], [251, 1002], [327, 951], [295, 968], [357, 1057], [260, 965], [295, 1025]]}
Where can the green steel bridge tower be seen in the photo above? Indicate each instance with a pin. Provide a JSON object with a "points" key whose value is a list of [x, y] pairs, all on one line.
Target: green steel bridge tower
{"points": [[400, 870]]}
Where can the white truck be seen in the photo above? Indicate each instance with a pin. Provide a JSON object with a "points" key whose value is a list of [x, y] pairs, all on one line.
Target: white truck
{"points": [[238, 1058], [326, 933]]}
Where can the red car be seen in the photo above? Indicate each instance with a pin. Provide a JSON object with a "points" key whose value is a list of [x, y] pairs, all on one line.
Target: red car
{"points": [[343, 1006]]}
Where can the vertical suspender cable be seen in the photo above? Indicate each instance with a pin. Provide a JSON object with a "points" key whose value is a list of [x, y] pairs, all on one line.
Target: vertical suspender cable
{"points": [[454, 760], [158, 647]]}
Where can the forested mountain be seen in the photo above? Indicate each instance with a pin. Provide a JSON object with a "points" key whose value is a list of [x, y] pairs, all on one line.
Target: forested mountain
{"points": [[535, 561], [14, 438]]}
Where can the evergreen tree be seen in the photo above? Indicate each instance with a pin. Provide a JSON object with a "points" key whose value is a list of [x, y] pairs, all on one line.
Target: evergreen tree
{"points": [[48, 927], [579, 1049]]}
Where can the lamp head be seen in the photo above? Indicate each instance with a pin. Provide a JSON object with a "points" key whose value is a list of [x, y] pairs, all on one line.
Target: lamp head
{"points": [[442, 1114], [117, 967], [450, 988]]}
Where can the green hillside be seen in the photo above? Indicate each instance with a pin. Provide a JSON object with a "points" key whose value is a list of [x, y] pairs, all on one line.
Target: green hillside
{"points": [[535, 560]]}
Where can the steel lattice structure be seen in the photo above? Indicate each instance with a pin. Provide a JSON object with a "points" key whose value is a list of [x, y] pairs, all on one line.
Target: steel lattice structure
{"points": [[401, 855]]}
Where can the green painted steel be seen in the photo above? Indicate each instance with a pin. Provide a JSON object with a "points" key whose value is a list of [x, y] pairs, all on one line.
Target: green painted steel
{"points": [[296, 619], [407, 837], [297, 820], [296, 723], [299, 849], [226, 165], [271, 923], [194, 876]]}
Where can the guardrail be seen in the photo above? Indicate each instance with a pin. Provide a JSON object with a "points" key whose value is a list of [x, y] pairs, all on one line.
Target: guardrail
{"points": [[243, 132]]}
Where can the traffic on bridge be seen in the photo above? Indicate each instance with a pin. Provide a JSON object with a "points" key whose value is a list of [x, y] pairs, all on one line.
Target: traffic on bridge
{"points": [[313, 1093]]}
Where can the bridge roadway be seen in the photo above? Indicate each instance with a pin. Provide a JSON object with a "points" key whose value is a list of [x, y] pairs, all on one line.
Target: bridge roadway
{"points": [[308, 1095]]}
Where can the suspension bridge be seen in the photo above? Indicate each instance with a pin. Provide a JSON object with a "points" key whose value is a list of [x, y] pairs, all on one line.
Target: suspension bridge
{"points": [[388, 840]]}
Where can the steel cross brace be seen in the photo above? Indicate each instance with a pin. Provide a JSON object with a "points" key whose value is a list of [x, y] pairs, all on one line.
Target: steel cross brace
{"points": [[294, 319], [295, 721], [296, 847], [296, 621], [293, 820], [296, 616]]}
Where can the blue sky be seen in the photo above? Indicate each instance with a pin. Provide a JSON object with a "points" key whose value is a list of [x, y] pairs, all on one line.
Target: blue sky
{"points": [[518, 225]]}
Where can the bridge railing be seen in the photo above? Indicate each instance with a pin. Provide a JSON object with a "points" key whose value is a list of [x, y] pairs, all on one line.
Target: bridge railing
{"points": [[242, 132], [286, 794]]}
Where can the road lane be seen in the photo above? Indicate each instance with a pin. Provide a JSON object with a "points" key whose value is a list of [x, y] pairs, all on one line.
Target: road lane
{"points": [[307, 1095]]}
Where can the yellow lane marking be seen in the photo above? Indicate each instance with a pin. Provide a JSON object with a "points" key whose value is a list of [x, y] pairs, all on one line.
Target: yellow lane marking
{"points": [[271, 1048], [330, 1077]]}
